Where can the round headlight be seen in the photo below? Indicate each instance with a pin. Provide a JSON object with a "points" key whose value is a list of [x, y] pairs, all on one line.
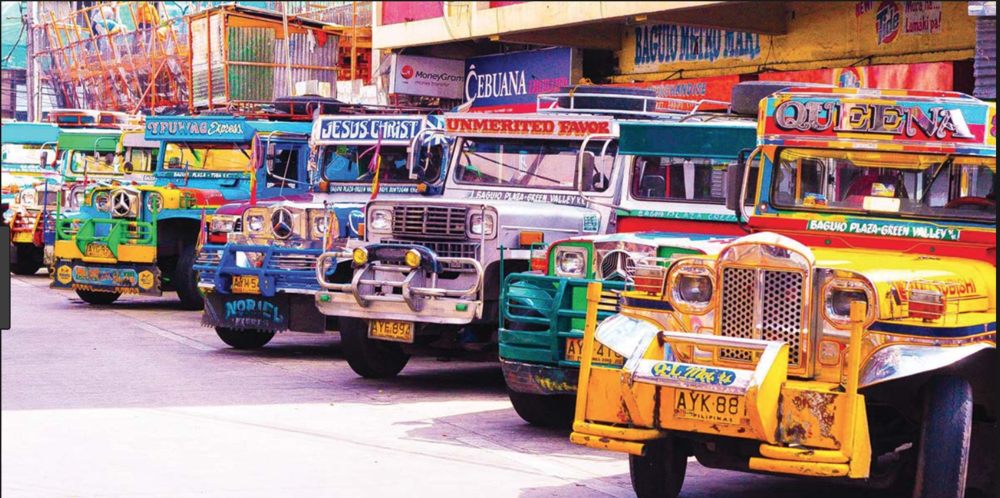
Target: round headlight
{"points": [[839, 301], [321, 225], [360, 256], [102, 201], [255, 223], [695, 289], [480, 224], [154, 202], [381, 220], [571, 263]]}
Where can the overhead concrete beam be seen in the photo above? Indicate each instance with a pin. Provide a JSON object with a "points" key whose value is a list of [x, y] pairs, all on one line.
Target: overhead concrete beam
{"points": [[604, 36], [766, 18]]}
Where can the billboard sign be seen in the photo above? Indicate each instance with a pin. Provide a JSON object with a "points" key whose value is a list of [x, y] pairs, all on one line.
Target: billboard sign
{"points": [[427, 77], [508, 83]]}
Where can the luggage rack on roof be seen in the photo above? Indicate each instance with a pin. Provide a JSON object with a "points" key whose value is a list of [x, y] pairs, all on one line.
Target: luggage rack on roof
{"points": [[304, 109], [627, 106]]}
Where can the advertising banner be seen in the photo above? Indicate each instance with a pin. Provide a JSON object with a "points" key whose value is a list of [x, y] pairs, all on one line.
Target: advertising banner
{"points": [[508, 83], [931, 76], [427, 77], [719, 88], [334, 129]]}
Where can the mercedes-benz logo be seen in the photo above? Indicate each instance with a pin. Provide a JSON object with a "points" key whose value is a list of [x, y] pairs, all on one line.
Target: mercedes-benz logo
{"points": [[281, 223], [618, 266], [121, 204]]}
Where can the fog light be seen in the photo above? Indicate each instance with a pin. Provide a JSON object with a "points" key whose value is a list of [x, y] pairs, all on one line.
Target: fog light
{"points": [[360, 256], [413, 258]]}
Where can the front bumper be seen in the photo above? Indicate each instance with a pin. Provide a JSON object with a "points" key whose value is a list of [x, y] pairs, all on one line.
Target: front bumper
{"points": [[280, 269], [279, 313], [385, 288], [528, 378], [120, 278]]}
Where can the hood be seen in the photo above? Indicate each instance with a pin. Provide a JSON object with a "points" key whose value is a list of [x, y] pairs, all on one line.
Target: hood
{"points": [[238, 208]]}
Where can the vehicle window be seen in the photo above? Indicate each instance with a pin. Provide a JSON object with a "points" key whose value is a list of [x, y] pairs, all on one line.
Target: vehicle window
{"points": [[926, 186], [680, 179], [26, 157], [534, 164], [141, 160], [284, 171], [353, 164], [202, 157], [89, 162]]}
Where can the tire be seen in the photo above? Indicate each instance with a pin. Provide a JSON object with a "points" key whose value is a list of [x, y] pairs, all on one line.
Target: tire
{"points": [[554, 412], [186, 280], [746, 96], [98, 298], [368, 358], [661, 473], [945, 438], [244, 339], [28, 260]]}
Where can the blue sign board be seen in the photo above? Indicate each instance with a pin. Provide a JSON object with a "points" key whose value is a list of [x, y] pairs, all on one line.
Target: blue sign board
{"points": [[368, 129], [195, 129], [511, 82]]}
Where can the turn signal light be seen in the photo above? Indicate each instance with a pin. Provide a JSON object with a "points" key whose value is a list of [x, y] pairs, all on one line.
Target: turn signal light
{"points": [[529, 239], [422, 188], [361, 231], [413, 258], [927, 304], [650, 279], [324, 186]]}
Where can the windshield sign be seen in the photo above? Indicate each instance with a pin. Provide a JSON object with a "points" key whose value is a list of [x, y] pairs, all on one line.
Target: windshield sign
{"points": [[533, 164], [228, 158], [933, 187]]}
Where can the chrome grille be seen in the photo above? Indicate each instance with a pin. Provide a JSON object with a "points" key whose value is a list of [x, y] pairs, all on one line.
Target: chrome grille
{"points": [[430, 222], [617, 266], [447, 249], [770, 299], [293, 262]]}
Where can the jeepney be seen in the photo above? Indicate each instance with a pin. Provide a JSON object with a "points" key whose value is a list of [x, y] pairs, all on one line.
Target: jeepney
{"points": [[263, 281], [851, 337], [674, 190], [88, 157], [28, 157], [143, 240]]}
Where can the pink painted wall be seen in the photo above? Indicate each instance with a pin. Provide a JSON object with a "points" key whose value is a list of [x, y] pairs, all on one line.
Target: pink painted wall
{"points": [[400, 12], [494, 5]]}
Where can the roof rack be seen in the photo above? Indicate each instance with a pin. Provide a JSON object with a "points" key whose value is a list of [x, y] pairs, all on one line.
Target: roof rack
{"points": [[635, 106], [304, 109]]}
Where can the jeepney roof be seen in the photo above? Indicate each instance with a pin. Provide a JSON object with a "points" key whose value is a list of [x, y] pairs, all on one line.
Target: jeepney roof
{"points": [[367, 130], [723, 139], [137, 139], [29, 133], [888, 120], [89, 140], [529, 126], [217, 129]]}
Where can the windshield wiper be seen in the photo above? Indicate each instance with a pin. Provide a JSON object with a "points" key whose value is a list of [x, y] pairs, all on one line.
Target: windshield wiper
{"points": [[946, 163]]}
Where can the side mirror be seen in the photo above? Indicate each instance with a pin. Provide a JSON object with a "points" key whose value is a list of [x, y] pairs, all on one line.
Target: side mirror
{"points": [[43, 160], [734, 185], [128, 168]]}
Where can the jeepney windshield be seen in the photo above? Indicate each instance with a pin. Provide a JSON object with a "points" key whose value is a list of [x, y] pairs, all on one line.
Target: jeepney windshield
{"points": [[680, 179], [228, 157], [353, 164], [534, 164], [940, 187], [102, 162], [26, 158]]}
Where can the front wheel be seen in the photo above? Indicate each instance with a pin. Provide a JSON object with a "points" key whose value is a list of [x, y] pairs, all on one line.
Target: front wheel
{"points": [[98, 298], [244, 339], [29, 260], [369, 358], [661, 473], [945, 438], [555, 411], [187, 280]]}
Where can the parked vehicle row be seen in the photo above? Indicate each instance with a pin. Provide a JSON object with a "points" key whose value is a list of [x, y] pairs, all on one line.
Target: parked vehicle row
{"points": [[798, 286]]}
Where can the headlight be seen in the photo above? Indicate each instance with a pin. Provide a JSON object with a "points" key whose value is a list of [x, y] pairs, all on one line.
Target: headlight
{"points": [[223, 224], [255, 221], [571, 262], [692, 287], [154, 202], [380, 221], [840, 294], [77, 198], [482, 224], [320, 221], [102, 201], [360, 256], [28, 197]]}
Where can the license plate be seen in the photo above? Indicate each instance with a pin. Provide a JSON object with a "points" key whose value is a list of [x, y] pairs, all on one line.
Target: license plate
{"points": [[391, 331], [99, 251], [603, 355], [245, 284], [23, 237], [710, 407]]}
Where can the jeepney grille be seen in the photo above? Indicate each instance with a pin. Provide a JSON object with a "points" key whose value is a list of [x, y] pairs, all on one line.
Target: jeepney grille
{"points": [[430, 222], [294, 262], [446, 249], [773, 299]]}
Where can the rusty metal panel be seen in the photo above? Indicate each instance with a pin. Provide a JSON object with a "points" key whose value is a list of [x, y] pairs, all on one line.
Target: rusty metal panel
{"points": [[251, 45], [206, 50], [986, 58], [308, 59]]}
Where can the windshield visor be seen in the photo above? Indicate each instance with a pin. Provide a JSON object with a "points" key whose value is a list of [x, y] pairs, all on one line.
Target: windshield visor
{"points": [[534, 164], [925, 186], [233, 158]]}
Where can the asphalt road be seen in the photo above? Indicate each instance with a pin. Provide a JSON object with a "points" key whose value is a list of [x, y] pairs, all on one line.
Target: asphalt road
{"points": [[137, 400]]}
